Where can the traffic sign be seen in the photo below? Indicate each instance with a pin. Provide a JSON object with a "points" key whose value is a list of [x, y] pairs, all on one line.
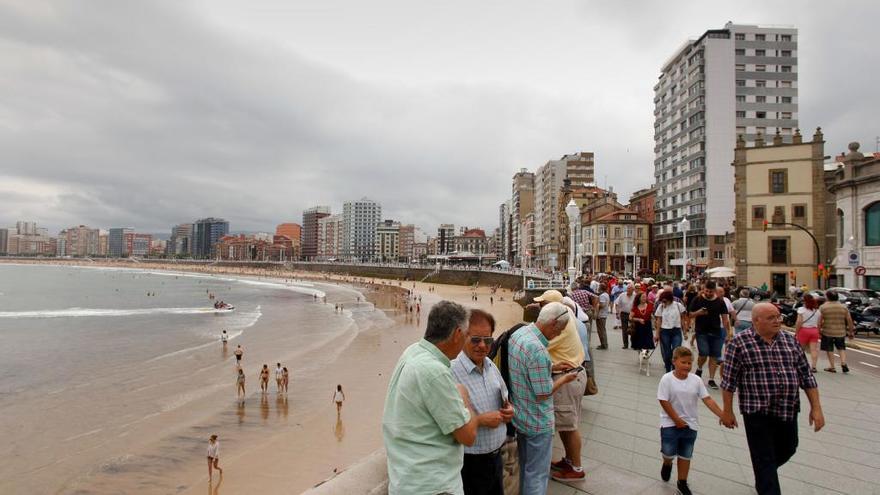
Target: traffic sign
{"points": [[853, 258], [860, 270]]}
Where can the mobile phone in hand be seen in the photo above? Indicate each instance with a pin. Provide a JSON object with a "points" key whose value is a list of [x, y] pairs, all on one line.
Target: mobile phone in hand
{"points": [[574, 370]]}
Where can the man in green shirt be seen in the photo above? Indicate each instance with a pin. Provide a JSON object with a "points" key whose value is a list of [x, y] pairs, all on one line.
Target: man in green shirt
{"points": [[428, 417]]}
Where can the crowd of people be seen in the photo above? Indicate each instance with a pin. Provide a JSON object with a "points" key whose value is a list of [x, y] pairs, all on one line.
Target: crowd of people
{"points": [[472, 411]]}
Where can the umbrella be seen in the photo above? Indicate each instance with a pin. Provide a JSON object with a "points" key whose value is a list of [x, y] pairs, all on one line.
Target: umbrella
{"points": [[721, 272]]}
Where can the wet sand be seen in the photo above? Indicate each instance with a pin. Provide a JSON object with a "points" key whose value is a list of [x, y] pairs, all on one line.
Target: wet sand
{"points": [[305, 444]]}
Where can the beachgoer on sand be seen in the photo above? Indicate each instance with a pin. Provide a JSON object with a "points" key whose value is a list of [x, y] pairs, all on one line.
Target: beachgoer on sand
{"points": [[338, 398], [213, 457]]}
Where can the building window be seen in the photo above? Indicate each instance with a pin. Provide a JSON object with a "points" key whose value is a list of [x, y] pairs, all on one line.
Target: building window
{"points": [[740, 51], [779, 251], [740, 67], [759, 214], [740, 114], [778, 181], [617, 232], [639, 233], [739, 36], [760, 68], [760, 37], [760, 115], [760, 99], [718, 255], [785, 68], [784, 37], [872, 225], [740, 98], [603, 232], [799, 215], [784, 84], [839, 228], [616, 248], [760, 53], [741, 83], [786, 99], [786, 53], [740, 130], [760, 83], [784, 115], [603, 247]]}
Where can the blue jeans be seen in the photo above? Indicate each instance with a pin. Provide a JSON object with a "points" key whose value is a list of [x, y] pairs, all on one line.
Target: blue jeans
{"points": [[710, 344], [535, 455], [670, 338], [677, 442]]}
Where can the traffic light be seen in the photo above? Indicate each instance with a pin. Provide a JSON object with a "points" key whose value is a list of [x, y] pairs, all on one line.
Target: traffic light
{"points": [[655, 266], [792, 274], [765, 224]]}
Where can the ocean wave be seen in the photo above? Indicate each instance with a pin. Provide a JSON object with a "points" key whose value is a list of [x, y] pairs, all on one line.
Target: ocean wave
{"points": [[90, 312]]}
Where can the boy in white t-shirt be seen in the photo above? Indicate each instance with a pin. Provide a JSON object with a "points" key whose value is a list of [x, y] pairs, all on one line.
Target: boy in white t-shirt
{"points": [[679, 394]]}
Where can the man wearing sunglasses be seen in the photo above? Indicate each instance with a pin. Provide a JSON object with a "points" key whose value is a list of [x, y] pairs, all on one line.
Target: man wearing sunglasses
{"points": [[482, 473]]}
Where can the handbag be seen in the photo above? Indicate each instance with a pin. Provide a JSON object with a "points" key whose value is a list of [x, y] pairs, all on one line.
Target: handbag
{"points": [[591, 388]]}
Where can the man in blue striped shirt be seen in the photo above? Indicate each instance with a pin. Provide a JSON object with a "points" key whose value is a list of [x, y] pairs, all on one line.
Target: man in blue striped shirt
{"points": [[481, 473]]}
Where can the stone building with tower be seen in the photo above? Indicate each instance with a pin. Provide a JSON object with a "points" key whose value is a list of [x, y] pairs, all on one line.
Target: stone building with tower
{"points": [[856, 187], [780, 212]]}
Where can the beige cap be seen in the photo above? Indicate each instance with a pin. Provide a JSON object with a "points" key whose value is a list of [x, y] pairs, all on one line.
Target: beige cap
{"points": [[550, 296]]}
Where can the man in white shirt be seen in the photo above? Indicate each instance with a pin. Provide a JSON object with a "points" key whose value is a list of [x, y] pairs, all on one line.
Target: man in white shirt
{"points": [[602, 315], [279, 376]]}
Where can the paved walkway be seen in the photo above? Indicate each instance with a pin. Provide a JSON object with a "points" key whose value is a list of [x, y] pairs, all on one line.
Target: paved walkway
{"points": [[621, 452]]}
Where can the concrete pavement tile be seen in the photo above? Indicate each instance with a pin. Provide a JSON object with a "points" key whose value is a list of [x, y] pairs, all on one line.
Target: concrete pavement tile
{"points": [[608, 454], [825, 479], [611, 437], [611, 480], [647, 465], [862, 472], [555, 488], [647, 447], [660, 488], [790, 485], [706, 483]]}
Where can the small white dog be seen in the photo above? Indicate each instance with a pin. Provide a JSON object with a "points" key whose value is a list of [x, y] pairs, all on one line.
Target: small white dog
{"points": [[645, 361]]}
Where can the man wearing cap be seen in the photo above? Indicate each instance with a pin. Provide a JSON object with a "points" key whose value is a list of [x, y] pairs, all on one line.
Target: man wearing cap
{"points": [[567, 348]]}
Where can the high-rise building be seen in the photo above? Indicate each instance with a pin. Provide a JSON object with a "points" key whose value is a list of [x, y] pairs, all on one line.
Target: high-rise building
{"points": [[180, 243], [579, 169], [207, 232], [4, 240], [360, 219], [26, 228], [739, 80], [446, 238], [117, 245], [407, 239], [80, 241], [329, 238], [292, 231], [502, 241], [310, 230], [522, 202], [387, 241]]}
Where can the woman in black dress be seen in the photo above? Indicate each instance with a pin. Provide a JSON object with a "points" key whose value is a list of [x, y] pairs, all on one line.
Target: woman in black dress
{"points": [[643, 335]]}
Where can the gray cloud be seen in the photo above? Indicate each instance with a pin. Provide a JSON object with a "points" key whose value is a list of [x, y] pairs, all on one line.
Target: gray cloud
{"points": [[149, 114]]}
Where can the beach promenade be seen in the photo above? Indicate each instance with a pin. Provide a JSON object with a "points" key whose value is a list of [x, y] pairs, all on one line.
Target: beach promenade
{"points": [[621, 438], [621, 441]]}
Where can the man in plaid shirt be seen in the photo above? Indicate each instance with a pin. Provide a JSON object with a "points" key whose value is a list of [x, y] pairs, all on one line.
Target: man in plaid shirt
{"points": [[532, 385], [768, 367]]}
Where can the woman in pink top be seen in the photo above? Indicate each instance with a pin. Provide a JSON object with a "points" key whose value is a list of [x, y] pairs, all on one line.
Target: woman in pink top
{"points": [[806, 328]]}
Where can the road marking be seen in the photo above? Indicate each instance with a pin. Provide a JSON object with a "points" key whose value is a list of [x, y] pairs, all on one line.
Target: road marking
{"points": [[863, 352], [869, 364]]}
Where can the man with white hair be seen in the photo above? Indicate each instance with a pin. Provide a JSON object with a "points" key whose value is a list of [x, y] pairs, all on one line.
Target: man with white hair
{"points": [[532, 385]]}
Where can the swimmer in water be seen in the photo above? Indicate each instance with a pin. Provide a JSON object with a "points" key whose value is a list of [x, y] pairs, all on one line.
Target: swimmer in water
{"points": [[240, 383], [224, 337]]}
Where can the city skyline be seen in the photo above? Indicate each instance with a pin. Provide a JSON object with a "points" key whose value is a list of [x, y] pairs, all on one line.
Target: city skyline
{"points": [[118, 133]]}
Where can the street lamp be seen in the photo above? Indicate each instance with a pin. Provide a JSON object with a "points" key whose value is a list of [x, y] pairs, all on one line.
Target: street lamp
{"points": [[684, 225], [573, 212], [634, 261]]}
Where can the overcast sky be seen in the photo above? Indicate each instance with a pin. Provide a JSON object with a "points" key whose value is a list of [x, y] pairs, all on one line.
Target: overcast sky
{"points": [[147, 114]]}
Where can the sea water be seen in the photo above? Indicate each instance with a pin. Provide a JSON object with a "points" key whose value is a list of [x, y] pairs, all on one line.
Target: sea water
{"points": [[110, 372]]}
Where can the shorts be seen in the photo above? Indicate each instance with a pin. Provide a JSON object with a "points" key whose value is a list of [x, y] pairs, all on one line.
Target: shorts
{"points": [[567, 403], [709, 345], [677, 442], [830, 343], [806, 335]]}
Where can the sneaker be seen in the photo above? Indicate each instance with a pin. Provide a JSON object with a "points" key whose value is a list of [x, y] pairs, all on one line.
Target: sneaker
{"points": [[560, 465], [713, 385], [683, 488], [568, 474], [845, 368], [665, 471], [699, 372]]}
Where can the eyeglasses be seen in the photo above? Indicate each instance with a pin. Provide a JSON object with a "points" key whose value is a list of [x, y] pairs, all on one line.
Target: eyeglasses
{"points": [[486, 340]]}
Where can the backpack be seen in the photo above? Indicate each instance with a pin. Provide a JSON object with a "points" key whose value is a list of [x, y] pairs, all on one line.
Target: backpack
{"points": [[498, 355]]}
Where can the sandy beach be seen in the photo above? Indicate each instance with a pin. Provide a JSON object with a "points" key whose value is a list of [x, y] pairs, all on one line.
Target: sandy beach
{"points": [[293, 458]]}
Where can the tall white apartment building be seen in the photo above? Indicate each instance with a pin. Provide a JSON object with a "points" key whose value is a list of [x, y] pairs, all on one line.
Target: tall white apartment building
{"points": [[360, 219], [328, 237], [387, 247], [739, 80], [577, 167]]}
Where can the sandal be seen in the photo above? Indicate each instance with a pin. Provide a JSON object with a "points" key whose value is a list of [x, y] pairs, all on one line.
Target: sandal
{"points": [[813, 370], [831, 370]]}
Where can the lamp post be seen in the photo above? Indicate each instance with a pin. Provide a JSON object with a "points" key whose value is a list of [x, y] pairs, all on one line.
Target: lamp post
{"points": [[684, 225], [634, 261], [573, 212]]}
